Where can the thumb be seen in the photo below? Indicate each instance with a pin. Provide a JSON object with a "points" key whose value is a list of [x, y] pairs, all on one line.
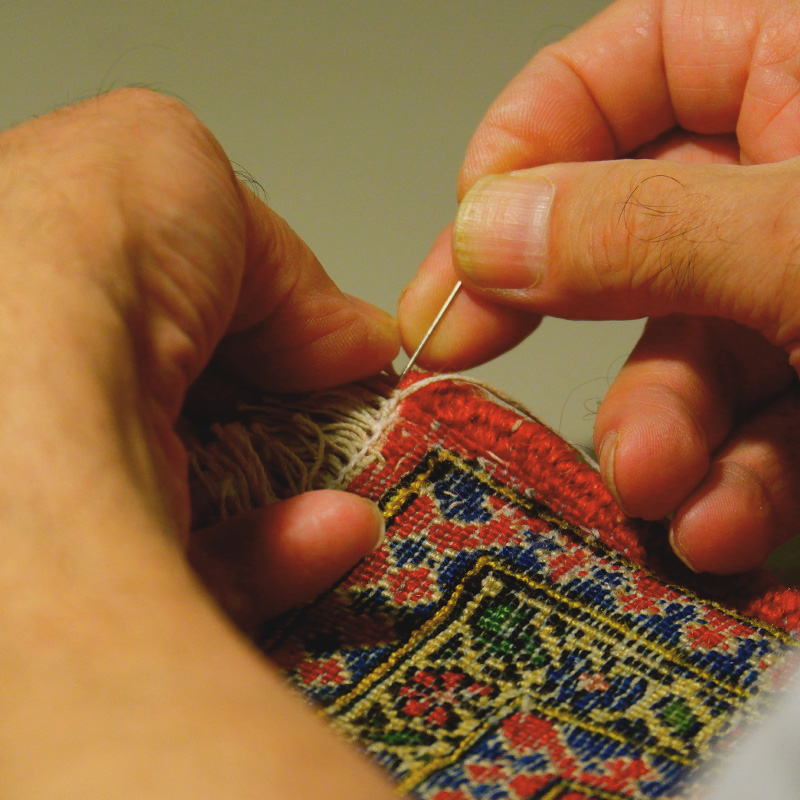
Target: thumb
{"points": [[628, 239]]}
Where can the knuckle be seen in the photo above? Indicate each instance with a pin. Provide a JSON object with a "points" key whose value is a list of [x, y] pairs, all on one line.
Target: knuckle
{"points": [[118, 124], [781, 320], [785, 226], [143, 104], [651, 238], [146, 114]]}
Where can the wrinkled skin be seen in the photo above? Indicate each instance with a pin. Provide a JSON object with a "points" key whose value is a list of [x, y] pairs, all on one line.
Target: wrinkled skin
{"points": [[667, 133], [129, 254]]}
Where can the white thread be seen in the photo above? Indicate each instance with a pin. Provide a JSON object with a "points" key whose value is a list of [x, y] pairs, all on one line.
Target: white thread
{"points": [[282, 447]]}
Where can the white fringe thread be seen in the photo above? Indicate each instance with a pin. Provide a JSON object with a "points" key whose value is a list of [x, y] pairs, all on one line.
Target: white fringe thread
{"points": [[282, 447]]}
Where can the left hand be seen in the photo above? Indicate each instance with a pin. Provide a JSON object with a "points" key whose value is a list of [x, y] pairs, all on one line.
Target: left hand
{"points": [[130, 253]]}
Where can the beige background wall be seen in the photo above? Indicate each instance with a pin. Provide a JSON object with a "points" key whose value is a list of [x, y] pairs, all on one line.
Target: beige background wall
{"points": [[353, 115]]}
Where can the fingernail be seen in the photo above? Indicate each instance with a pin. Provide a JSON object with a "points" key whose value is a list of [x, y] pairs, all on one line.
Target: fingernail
{"points": [[675, 544], [605, 458], [380, 524], [501, 232]]}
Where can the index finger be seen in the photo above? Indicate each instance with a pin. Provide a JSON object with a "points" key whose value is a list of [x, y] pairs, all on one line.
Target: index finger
{"points": [[293, 329], [641, 68]]}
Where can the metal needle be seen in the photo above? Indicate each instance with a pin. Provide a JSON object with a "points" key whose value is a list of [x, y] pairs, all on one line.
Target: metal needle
{"points": [[434, 324]]}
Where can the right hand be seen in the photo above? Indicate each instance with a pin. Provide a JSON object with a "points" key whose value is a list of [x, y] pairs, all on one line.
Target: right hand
{"points": [[690, 215]]}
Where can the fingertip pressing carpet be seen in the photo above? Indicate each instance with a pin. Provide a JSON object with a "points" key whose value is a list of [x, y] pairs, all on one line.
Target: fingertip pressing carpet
{"points": [[515, 636]]}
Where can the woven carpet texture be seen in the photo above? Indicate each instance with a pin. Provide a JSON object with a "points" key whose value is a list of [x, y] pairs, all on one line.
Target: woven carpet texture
{"points": [[516, 636]]}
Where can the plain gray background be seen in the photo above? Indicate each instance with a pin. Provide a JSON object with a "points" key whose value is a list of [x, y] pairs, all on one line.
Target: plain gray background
{"points": [[354, 117]]}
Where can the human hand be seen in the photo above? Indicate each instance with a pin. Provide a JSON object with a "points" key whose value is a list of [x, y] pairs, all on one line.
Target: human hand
{"points": [[129, 254], [696, 229]]}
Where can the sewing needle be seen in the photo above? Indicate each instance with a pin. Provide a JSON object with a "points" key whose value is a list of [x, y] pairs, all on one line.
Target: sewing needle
{"points": [[434, 324]]}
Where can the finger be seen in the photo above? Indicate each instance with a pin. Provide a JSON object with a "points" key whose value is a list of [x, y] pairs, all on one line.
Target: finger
{"points": [[188, 252], [264, 562], [688, 382], [566, 103], [749, 502], [293, 329], [640, 68], [623, 240], [687, 148], [473, 330]]}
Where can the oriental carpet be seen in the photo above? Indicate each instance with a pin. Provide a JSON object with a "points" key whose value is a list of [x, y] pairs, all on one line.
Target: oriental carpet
{"points": [[516, 636]]}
